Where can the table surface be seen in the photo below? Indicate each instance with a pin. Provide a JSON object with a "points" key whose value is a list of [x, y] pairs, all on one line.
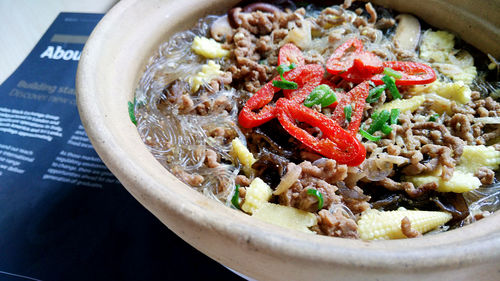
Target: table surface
{"points": [[23, 22]]}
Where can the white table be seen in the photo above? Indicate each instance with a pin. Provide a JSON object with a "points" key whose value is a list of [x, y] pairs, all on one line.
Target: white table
{"points": [[23, 22]]}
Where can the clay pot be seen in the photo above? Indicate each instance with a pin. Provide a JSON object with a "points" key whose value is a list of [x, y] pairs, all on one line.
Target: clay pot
{"points": [[112, 63]]}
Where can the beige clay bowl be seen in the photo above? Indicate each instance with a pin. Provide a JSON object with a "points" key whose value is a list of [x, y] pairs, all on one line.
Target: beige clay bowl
{"points": [[111, 64]]}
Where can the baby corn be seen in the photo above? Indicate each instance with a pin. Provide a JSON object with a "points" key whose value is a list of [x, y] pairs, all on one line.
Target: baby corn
{"points": [[286, 216], [209, 48], [475, 156], [377, 225], [461, 181], [256, 195], [411, 104]]}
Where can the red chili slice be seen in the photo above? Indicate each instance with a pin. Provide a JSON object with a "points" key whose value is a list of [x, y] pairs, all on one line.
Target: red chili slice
{"points": [[248, 118], [413, 73], [336, 143], [342, 58], [357, 98], [355, 76], [332, 85], [289, 53], [368, 62], [307, 77]]}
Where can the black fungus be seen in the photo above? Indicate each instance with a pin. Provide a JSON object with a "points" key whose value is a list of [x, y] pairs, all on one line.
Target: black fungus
{"points": [[270, 167]]}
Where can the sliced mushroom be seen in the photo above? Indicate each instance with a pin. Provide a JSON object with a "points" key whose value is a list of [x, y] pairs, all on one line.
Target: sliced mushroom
{"points": [[232, 16], [260, 6], [234, 13], [221, 28], [407, 32]]}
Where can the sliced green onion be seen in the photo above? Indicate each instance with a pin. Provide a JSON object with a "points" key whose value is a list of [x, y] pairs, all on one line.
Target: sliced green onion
{"points": [[285, 68], [328, 98], [392, 72], [318, 195], [236, 196], [434, 117], [391, 85], [386, 129], [378, 122], [394, 115], [368, 136], [322, 94], [131, 113], [284, 84], [282, 69], [375, 115], [348, 112], [375, 93], [313, 98]]}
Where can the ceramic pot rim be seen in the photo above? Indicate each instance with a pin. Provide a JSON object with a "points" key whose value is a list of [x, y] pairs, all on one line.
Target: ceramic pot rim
{"points": [[454, 248]]}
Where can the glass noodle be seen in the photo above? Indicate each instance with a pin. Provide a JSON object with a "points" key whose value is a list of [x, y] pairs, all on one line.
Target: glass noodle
{"points": [[178, 140]]}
